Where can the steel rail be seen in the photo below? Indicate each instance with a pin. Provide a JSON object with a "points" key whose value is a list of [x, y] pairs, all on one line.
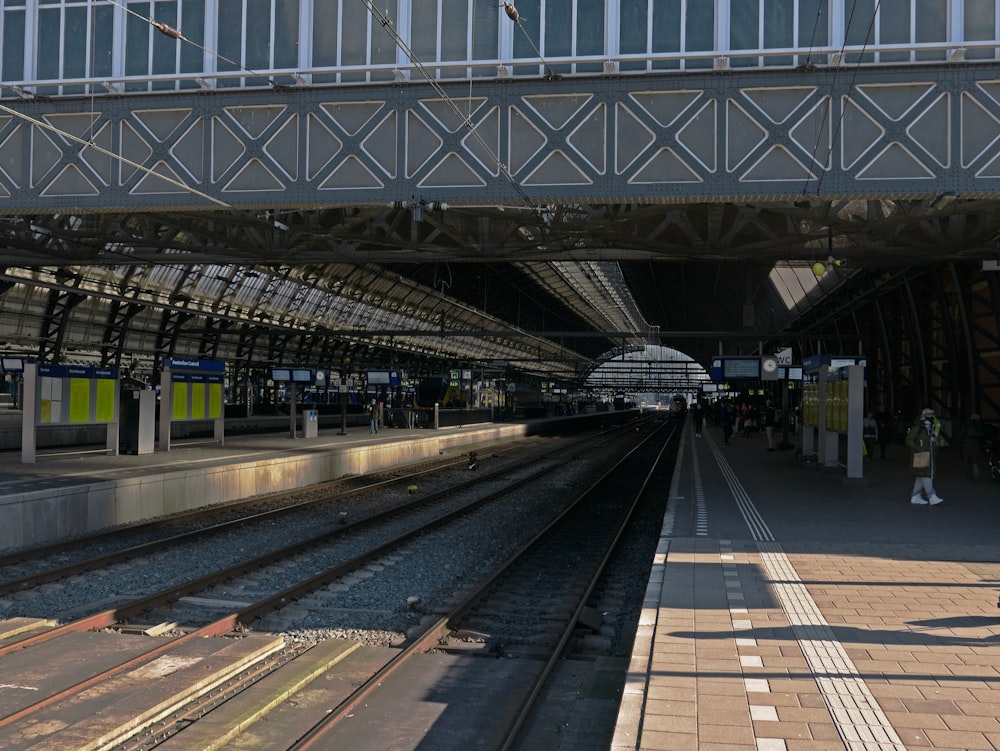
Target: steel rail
{"points": [[437, 633]]}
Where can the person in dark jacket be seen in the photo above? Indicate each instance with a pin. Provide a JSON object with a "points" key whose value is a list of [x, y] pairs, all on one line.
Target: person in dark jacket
{"points": [[726, 422], [922, 439], [971, 438]]}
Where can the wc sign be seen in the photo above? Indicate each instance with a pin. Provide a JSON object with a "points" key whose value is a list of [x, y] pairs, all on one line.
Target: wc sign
{"points": [[784, 357]]}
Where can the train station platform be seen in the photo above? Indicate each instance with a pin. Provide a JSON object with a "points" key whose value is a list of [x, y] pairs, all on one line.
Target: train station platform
{"points": [[789, 611], [70, 491]]}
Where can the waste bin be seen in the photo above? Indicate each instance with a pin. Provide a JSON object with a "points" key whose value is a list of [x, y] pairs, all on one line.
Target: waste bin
{"points": [[310, 423]]}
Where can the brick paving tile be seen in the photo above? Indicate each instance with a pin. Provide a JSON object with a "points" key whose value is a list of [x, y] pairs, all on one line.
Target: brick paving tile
{"points": [[781, 729], [725, 733], [671, 708], [669, 693], [711, 705], [787, 685], [773, 700], [944, 693], [721, 687], [915, 720], [813, 745], [804, 714], [890, 704], [880, 690], [966, 740], [824, 731], [726, 747], [719, 667], [672, 681], [876, 667], [987, 672], [669, 724], [986, 709], [978, 724], [913, 737], [811, 700], [657, 741]]}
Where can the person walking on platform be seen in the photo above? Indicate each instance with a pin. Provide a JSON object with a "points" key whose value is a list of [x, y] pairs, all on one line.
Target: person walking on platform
{"points": [[769, 421], [972, 438], [885, 429], [869, 434], [726, 422], [922, 439], [699, 418], [373, 413]]}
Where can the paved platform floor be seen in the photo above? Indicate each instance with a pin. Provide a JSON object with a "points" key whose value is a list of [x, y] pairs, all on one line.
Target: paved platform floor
{"points": [[788, 611]]}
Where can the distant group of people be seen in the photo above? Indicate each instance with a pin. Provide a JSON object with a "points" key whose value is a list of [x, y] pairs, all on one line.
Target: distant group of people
{"points": [[747, 418], [923, 438]]}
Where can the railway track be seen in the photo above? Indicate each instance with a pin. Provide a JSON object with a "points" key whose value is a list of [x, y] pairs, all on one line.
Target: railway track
{"points": [[166, 617], [528, 611], [30, 567]]}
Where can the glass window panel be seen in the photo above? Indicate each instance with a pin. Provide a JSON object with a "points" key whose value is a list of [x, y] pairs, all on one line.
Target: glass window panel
{"points": [[858, 27], [193, 26], [814, 23], [230, 41], [667, 30], [423, 29], [355, 41], [383, 51], [49, 29], [633, 26], [558, 28], [286, 34], [75, 43], [104, 41], [894, 28], [164, 48], [744, 25], [455, 30], [75, 38], [485, 35], [258, 35], [980, 25], [744, 30], [326, 34], [558, 33], [13, 47], [590, 32], [700, 30], [137, 44], [931, 25], [526, 32], [779, 29]]}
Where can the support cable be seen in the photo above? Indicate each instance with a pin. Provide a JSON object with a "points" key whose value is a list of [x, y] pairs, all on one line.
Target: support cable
{"points": [[170, 31], [833, 85], [387, 24]]}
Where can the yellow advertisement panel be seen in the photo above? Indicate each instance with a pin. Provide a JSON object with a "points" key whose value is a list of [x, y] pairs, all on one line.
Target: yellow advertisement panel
{"points": [[197, 401], [105, 400], [215, 400], [180, 411], [46, 412], [79, 400]]}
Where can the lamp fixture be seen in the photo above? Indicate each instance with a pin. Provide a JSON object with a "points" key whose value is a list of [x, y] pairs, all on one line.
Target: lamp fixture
{"points": [[820, 268]]}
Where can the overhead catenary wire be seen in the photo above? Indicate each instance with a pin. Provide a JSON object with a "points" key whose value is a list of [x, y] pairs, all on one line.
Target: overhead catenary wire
{"points": [[173, 33], [387, 24], [515, 16], [833, 85], [107, 152]]}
